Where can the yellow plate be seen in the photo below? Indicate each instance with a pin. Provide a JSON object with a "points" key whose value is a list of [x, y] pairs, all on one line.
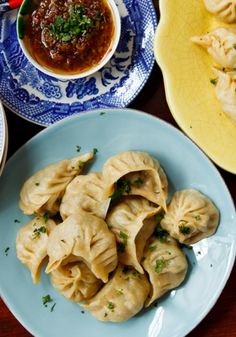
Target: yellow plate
{"points": [[186, 69]]}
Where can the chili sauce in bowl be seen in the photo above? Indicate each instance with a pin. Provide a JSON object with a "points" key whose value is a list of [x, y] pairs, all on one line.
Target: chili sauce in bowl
{"points": [[68, 38]]}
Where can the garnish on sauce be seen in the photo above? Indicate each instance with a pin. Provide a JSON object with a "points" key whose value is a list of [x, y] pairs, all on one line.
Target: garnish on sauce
{"points": [[185, 230], [76, 24], [46, 299]]}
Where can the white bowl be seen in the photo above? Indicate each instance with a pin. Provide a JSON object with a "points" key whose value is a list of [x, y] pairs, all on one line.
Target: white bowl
{"points": [[117, 23]]}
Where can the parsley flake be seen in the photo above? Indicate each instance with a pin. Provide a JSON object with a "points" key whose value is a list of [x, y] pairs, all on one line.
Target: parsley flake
{"points": [[234, 46], [17, 221], [6, 251], [111, 306], [160, 233], [198, 217], [46, 299], [121, 187], [78, 148], [152, 248], [52, 308], [81, 164], [95, 151], [213, 81], [46, 216], [185, 230], [138, 182], [38, 231], [160, 265]]}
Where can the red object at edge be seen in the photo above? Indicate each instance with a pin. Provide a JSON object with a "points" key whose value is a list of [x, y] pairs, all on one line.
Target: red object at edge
{"points": [[15, 3]]}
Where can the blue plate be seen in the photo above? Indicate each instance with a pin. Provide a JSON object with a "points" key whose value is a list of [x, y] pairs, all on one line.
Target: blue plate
{"points": [[112, 131], [44, 100]]}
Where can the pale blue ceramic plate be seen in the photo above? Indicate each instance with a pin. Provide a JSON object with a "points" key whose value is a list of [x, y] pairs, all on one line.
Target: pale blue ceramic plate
{"points": [[210, 261], [44, 100]]}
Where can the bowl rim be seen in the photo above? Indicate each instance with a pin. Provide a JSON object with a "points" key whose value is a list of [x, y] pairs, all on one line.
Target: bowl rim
{"points": [[109, 53]]}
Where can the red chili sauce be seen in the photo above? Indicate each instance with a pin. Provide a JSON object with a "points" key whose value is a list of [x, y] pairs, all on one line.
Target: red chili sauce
{"points": [[69, 36]]}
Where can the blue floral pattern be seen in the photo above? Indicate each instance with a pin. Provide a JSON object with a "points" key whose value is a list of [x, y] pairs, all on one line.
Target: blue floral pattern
{"points": [[44, 100]]}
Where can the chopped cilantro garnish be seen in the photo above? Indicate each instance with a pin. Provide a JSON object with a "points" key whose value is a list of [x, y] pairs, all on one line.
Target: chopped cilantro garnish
{"points": [[120, 247], [120, 292], [160, 233], [234, 46], [160, 265], [46, 216], [95, 151], [105, 314], [76, 24], [52, 308], [37, 184], [102, 113], [78, 148], [46, 299], [82, 312], [213, 81], [198, 217], [152, 248], [138, 182], [81, 164], [121, 187], [17, 221], [124, 237], [6, 251], [159, 217], [185, 230], [111, 306], [38, 231]]}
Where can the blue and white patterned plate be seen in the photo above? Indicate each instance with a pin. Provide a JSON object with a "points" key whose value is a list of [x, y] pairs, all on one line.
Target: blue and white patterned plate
{"points": [[44, 100], [2, 132]]}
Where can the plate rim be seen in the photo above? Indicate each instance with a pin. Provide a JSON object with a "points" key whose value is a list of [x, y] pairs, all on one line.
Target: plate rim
{"points": [[174, 129]]}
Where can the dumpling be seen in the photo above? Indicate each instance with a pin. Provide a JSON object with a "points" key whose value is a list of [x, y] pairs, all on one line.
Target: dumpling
{"points": [[135, 173], [31, 244], [121, 298], [190, 217], [225, 90], [85, 236], [224, 9], [220, 44], [132, 221], [75, 281], [166, 266], [43, 191], [85, 192]]}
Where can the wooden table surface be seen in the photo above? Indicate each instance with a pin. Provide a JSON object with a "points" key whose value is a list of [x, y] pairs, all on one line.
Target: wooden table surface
{"points": [[221, 321]]}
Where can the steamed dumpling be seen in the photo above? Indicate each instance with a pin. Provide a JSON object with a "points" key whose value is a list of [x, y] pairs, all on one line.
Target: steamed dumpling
{"points": [[43, 191], [166, 266], [75, 281], [132, 221], [135, 173], [190, 217], [225, 90], [31, 244], [85, 192], [87, 237], [224, 9], [121, 298], [220, 44]]}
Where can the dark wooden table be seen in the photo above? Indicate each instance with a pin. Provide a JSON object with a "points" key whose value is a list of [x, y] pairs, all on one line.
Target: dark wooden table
{"points": [[221, 321]]}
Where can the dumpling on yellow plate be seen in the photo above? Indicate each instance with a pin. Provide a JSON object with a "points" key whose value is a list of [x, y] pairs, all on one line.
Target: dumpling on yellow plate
{"points": [[221, 45], [225, 90], [223, 9]]}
